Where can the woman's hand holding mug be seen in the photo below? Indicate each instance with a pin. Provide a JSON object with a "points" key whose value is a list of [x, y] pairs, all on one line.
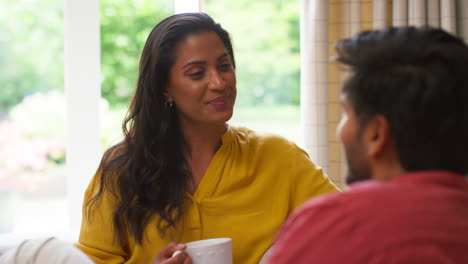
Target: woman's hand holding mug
{"points": [[166, 255]]}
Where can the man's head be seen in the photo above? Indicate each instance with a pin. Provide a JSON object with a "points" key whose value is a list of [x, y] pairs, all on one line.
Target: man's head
{"points": [[405, 102]]}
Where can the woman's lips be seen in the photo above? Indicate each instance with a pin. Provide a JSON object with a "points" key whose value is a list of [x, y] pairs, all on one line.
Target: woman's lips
{"points": [[219, 101]]}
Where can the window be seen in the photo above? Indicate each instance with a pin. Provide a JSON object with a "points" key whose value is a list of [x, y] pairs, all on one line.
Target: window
{"points": [[125, 25], [32, 117], [41, 186], [266, 42]]}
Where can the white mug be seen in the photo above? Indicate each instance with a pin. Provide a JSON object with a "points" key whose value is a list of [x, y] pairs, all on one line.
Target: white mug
{"points": [[209, 251]]}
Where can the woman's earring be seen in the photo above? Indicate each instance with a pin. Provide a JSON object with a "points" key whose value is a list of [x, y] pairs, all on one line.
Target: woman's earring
{"points": [[169, 104]]}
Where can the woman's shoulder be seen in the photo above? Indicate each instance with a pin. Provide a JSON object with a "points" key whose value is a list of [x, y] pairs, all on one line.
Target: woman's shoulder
{"points": [[109, 167], [262, 140], [113, 152]]}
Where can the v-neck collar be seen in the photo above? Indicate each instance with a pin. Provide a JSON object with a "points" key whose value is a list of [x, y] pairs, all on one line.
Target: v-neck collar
{"points": [[208, 182]]}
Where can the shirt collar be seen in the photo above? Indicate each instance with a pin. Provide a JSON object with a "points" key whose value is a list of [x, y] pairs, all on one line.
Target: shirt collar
{"points": [[447, 178], [228, 135]]}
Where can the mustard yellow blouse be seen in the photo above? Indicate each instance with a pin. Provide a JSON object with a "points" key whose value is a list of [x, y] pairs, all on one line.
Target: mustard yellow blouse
{"points": [[250, 187]]}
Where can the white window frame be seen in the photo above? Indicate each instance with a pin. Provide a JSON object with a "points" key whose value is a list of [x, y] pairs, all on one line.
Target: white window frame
{"points": [[82, 77], [185, 6], [82, 80]]}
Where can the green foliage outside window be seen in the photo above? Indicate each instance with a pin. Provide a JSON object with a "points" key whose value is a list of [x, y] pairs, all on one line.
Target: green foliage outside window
{"points": [[31, 49], [125, 25], [266, 41], [265, 35]]}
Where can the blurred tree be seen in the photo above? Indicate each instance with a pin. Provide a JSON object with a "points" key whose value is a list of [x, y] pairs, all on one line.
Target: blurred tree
{"points": [[31, 46], [31, 49], [266, 40], [125, 25]]}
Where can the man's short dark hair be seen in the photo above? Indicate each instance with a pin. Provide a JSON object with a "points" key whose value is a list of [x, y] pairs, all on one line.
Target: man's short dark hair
{"points": [[418, 79]]}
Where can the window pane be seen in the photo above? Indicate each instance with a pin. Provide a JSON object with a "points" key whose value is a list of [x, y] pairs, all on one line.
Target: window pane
{"points": [[32, 117], [125, 25], [265, 36]]}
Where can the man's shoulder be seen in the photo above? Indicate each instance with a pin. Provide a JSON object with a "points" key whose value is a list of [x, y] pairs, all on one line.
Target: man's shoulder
{"points": [[367, 212], [346, 203], [334, 217], [322, 223]]}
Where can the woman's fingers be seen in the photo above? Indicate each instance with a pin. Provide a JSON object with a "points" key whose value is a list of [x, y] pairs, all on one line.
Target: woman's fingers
{"points": [[181, 258], [165, 254], [188, 260]]}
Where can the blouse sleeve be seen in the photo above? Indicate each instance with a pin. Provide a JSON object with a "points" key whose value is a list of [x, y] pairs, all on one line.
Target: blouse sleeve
{"points": [[309, 181], [97, 233]]}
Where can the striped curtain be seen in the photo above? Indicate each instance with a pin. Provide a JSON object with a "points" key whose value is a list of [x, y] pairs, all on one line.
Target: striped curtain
{"points": [[323, 22]]}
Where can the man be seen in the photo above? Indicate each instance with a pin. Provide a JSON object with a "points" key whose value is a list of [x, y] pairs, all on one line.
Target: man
{"points": [[405, 134]]}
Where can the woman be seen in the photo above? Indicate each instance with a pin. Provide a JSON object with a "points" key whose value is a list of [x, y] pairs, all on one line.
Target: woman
{"points": [[181, 173]]}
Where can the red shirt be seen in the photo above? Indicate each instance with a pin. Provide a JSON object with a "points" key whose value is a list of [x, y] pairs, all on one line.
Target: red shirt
{"points": [[415, 218]]}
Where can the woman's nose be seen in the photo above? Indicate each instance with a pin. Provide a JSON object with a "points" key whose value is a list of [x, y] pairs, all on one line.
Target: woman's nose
{"points": [[216, 81]]}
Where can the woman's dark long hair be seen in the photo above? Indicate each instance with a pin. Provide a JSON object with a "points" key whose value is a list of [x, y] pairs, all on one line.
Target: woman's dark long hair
{"points": [[147, 172]]}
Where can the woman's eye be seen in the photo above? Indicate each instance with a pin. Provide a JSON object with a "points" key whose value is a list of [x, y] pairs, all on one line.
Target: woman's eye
{"points": [[226, 66], [196, 74]]}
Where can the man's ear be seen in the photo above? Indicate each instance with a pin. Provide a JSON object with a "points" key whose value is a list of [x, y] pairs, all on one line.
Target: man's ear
{"points": [[377, 135]]}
